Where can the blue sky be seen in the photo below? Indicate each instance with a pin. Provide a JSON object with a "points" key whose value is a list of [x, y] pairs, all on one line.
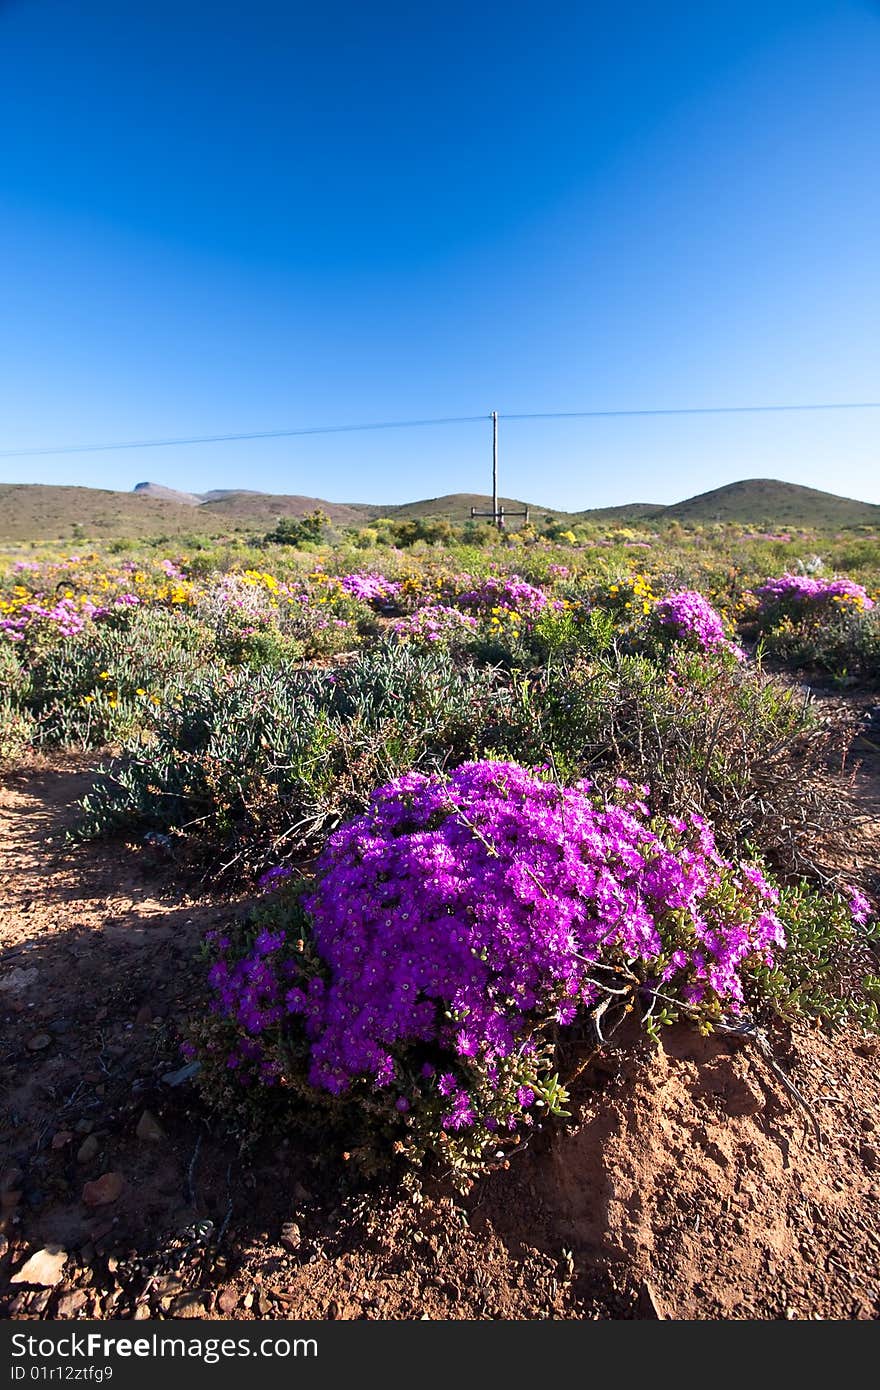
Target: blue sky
{"points": [[228, 218]]}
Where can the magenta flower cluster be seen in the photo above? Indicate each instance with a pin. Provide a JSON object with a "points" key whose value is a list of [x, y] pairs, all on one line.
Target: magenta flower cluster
{"points": [[505, 591], [689, 615], [859, 906], [433, 623], [65, 615], [369, 588], [456, 913], [801, 592]]}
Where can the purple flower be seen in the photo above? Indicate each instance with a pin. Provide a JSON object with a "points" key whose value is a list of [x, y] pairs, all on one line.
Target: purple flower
{"points": [[689, 615], [859, 906]]}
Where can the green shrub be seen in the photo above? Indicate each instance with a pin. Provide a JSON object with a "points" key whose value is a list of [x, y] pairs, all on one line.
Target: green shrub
{"points": [[17, 732], [844, 647], [707, 735], [252, 763]]}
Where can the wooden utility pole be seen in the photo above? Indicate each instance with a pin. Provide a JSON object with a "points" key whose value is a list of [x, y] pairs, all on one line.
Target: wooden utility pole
{"points": [[497, 513]]}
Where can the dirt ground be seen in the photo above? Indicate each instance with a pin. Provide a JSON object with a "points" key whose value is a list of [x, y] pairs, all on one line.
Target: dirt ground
{"points": [[689, 1186]]}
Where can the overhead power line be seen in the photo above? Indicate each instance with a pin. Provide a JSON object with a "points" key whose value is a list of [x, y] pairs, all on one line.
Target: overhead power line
{"points": [[227, 438], [440, 420], [691, 410]]}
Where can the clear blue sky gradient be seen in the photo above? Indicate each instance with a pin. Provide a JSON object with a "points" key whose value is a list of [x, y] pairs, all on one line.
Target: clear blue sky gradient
{"points": [[230, 217]]}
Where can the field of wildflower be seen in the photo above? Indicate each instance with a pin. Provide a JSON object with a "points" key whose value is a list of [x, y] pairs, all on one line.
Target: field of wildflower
{"points": [[494, 798]]}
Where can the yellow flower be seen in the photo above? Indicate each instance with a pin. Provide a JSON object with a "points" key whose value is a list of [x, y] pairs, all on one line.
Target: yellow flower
{"points": [[140, 691], [156, 699], [103, 675]]}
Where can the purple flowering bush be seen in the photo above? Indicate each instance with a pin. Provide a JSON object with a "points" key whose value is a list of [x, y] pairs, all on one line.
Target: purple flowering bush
{"points": [[434, 623], [825, 625], [508, 592], [455, 927], [370, 588], [689, 617], [800, 595]]}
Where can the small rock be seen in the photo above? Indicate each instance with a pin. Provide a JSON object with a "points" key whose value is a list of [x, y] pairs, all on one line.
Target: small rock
{"points": [[149, 1129], [332, 1310], [167, 1284], [291, 1236], [70, 1303], [143, 1015], [84, 1126], [18, 979], [88, 1149], [43, 1268], [869, 1156], [188, 1305], [141, 1312], [248, 1301], [186, 1073], [263, 1304], [38, 1042], [743, 1097], [227, 1300], [104, 1190], [62, 1138], [648, 1305]]}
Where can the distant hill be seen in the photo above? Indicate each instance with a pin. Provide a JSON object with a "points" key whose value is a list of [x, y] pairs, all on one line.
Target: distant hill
{"points": [[759, 501], [33, 511], [752, 502], [168, 494], [630, 511], [259, 510], [37, 511]]}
